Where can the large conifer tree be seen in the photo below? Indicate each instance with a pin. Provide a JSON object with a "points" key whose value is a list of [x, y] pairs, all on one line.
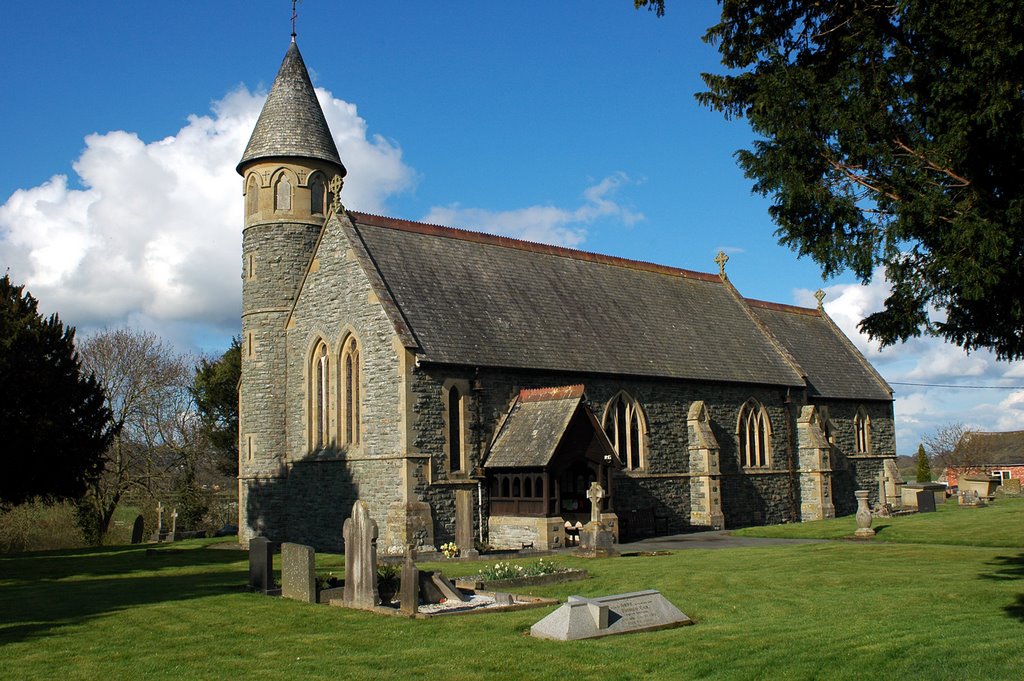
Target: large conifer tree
{"points": [[54, 424], [890, 134]]}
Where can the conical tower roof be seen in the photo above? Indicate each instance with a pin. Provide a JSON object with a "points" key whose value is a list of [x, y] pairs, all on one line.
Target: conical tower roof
{"points": [[292, 122]]}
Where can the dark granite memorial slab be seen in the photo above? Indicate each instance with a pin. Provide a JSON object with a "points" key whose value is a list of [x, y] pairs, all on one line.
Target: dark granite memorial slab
{"points": [[261, 565], [137, 529], [925, 502], [609, 615]]}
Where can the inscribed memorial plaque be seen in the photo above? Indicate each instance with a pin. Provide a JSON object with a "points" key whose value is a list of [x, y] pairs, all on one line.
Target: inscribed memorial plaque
{"points": [[609, 615]]}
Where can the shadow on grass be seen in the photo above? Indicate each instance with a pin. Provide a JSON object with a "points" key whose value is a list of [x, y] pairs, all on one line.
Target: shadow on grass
{"points": [[878, 528], [42, 592], [1009, 568]]}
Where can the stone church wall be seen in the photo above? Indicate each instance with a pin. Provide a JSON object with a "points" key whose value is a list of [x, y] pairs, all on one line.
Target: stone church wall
{"points": [[337, 301], [850, 470], [748, 497]]}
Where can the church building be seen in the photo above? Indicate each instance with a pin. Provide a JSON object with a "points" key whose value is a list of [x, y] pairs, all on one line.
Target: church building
{"points": [[470, 387]]}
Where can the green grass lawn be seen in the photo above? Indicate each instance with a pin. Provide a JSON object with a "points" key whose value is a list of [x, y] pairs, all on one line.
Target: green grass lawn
{"points": [[999, 524], [836, 610]]}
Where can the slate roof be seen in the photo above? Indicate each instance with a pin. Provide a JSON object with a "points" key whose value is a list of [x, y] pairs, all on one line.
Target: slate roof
{"points": [[833, 365], [533, 428], [998, 448], [481, 300], [291, 122]]}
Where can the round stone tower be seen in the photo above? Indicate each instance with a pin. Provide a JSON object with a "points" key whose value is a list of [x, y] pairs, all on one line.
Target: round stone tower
{"points": [[287, 171]]}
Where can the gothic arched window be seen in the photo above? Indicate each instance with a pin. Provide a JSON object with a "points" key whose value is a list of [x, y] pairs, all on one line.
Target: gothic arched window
{"points": [[862, 432], [351, 385], [317, 193], [456, 423], [283, 193], [754, 433], [626, 428], [252, 195], [320, 397]]}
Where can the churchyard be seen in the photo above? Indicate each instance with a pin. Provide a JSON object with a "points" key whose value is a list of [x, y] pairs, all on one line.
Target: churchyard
{"points": [[933, 596]]}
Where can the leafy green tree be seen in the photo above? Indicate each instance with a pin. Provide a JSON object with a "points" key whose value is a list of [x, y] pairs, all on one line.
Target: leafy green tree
{"points": [[215, 390], [890, 134], [924, 468], [54, 424]]}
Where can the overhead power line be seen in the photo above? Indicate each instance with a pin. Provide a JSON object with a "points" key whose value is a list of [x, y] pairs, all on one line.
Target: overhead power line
{"points": [[960, 386]]}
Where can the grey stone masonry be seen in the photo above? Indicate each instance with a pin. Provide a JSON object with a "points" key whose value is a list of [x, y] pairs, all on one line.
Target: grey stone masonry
{"points": [[815, 466], [336, 304]]}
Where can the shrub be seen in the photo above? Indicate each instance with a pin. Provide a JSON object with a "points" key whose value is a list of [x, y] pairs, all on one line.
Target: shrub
{"points": [[39, 526]]}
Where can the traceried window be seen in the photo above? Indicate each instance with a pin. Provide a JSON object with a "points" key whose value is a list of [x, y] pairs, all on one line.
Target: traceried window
{"points": [[252, 194], [351, 386], [456, 436], [320, 397], [317, 193], [862, 432], [283, 193], [626, 428], [754, 433]]}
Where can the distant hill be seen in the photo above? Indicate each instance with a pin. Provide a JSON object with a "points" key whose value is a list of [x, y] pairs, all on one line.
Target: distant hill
{"points": [[908, 467]]}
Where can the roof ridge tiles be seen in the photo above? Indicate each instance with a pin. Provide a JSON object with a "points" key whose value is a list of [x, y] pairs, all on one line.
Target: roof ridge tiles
{"points": [[524, 245], [783, 307], [553, 393]]}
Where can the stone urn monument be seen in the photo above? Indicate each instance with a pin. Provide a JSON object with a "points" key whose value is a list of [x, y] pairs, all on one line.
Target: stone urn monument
{"points": [[863, 515]]}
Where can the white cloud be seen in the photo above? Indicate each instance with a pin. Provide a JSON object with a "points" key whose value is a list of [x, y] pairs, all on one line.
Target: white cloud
{"points": [[922, 409], [544, 224], [153, 236]]}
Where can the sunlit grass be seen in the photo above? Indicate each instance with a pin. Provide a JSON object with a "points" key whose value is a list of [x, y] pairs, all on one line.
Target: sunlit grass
{"points": [[999, 524], [837, 610]]}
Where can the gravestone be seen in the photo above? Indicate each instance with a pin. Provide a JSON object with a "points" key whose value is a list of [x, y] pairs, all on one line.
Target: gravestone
{"points": [[261, 565], [609, 615], [449, 591], [360, 534], [298, 572], [925, 502], [137, 529], [409, 592], [160, 533], [596, 539], [464, 524], [173, 536]]}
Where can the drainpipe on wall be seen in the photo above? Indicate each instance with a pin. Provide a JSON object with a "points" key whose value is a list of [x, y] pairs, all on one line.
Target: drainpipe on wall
{"points": [[477, 389]]}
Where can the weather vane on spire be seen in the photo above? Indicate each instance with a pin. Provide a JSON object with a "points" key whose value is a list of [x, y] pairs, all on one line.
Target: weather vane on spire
{"points": [[295, 15]]}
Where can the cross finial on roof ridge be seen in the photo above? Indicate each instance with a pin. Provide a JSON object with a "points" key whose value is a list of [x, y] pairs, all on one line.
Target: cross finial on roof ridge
{"points": [[335, 186], [820, 295], [721, 259]]}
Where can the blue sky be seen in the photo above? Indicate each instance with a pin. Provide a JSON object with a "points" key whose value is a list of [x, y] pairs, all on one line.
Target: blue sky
{"points": [[569, 122]]}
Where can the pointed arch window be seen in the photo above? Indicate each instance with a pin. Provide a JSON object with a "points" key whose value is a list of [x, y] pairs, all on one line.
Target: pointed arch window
{"points": [[251, 196], [320, 397], [351, 385], [283, 193], [862, 432], [456, 412], [317, 194], [754, 433], [626, 428]]}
